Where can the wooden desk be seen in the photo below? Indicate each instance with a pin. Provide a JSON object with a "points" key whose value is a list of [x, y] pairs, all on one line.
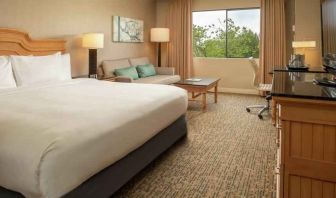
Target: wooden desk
{"points": [[305, 116], [307, 148], [310, 70], [285, 69]]}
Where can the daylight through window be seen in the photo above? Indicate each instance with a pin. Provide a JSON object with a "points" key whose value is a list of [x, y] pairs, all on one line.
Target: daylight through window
{"points": [[226, 33]]}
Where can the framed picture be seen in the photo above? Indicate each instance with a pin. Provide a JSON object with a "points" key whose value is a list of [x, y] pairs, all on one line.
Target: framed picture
{"points": [[128, 30]]}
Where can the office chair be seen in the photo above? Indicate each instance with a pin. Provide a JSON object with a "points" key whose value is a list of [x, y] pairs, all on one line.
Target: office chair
{"points": [[261, 87]]}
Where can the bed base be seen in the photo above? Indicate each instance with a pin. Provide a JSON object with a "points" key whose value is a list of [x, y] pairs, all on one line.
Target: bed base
{"points": [[111, 179]]}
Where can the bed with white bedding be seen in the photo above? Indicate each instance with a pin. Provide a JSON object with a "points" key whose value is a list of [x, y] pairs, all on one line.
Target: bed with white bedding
{"points": [[76, 138], [55, 136]]}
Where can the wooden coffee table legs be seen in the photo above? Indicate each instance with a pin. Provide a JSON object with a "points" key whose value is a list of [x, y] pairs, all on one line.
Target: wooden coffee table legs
{"points": [[216, 92], [203, 92], [201, 89], [204, 101]]}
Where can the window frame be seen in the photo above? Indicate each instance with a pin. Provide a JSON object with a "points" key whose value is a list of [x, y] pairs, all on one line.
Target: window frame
{"points": [[226, 24]]}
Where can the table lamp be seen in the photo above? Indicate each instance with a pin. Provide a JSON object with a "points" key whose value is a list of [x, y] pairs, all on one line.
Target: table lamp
{"points": [[298, 60], [159, 35], [93, 41], [304, 44]]}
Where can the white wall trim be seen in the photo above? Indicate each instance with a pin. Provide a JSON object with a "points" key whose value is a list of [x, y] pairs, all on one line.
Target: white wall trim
{"points": [[238, 91]]}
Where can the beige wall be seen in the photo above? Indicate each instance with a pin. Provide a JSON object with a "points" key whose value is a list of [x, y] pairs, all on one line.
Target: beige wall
{"points": [[236, 73], [308, 27], [290, 22], [161, 13], [69, 19]]}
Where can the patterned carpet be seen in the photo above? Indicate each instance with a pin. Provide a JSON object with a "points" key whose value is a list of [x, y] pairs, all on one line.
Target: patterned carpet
{"points": [[228, 153]]}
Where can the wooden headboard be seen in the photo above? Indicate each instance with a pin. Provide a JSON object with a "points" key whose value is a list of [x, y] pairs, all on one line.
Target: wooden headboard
{"points": [[14, 42]]}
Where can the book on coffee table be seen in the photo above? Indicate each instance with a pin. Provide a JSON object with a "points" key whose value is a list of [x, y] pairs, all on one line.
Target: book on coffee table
{"points": [[194, 79]]}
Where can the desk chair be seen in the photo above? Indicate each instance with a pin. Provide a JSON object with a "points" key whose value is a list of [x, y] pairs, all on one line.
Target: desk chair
{"points": [[261, 87]]}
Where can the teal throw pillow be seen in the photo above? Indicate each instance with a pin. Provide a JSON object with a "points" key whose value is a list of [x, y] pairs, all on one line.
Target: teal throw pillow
{"points": [[146, 70], [127, 71]]}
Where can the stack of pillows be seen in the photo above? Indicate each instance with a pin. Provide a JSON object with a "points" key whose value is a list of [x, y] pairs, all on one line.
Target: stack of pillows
{"points": [[19, 71], [140, 71]]}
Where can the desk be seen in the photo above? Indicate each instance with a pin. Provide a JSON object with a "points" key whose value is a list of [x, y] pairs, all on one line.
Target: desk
{"points": [[310, 70], [306, 138], [285, 69]]}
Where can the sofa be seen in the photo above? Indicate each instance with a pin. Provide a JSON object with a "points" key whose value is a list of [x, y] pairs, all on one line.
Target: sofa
{"points": [[164, 75]]}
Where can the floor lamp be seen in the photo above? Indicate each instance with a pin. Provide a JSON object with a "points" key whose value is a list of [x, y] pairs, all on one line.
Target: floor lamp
{"points": [[93, 41], [159, 35]]}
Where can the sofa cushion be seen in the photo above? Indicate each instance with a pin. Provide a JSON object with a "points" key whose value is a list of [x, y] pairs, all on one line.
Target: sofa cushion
{"points": [[109, 66], [146, 70], [159, 79], [139, 61], [127, 72]]}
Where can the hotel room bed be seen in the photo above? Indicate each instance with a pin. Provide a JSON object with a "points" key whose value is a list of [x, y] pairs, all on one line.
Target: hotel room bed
{"points": [[54, 137], [83, 137]]}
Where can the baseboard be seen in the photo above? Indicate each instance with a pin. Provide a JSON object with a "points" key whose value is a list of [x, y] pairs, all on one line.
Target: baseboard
{"points": [[238, 91]]}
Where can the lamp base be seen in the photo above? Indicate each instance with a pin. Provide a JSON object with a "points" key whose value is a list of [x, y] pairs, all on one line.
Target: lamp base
{"points": [[93, 76], [92, 62], [159, 55]]}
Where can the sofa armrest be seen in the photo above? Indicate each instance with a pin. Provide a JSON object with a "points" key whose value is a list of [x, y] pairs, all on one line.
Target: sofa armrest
{"points": [[124, 79], [165, 70]]}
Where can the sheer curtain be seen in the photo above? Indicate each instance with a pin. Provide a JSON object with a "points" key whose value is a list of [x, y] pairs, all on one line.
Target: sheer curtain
{"points": [[273, 37], [179, 21]]}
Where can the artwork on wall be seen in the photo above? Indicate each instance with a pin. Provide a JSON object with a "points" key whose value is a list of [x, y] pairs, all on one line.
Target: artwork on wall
{"points": [[128, 30]]}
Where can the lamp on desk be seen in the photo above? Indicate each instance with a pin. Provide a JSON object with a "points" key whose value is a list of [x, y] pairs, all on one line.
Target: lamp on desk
{"points": [[159, 35], [299, 59], [93, 41]]}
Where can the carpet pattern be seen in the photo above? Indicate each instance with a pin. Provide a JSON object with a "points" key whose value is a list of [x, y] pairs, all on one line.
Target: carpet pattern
{"points": [[227, 153]]}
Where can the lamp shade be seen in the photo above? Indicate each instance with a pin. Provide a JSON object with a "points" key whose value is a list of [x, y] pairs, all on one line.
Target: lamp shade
{"points": [[160, 35], [303, 44], [93, 40]]}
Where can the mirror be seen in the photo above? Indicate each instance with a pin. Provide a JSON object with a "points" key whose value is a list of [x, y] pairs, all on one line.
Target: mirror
{"points": [[329, 26]]}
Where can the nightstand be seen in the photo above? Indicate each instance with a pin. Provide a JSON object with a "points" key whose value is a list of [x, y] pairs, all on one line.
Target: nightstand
{"points": [[86, 76], [80, 76]]}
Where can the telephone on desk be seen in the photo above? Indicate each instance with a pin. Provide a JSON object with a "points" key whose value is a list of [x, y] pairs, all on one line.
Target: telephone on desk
{"points": [[329, 64]]}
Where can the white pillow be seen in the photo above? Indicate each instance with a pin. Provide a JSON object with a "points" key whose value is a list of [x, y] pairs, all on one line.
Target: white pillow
{"points": [[66, 67], [30, 70], [6, 73]]}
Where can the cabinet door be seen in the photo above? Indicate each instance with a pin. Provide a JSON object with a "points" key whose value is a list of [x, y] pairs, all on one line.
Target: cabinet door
{"points": [[310, 159]]}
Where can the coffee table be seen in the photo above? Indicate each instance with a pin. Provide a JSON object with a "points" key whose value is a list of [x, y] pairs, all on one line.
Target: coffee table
{"points": [[200, 88]]}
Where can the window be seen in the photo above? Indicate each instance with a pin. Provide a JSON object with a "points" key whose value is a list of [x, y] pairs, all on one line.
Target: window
{"points": [[226, 33]]}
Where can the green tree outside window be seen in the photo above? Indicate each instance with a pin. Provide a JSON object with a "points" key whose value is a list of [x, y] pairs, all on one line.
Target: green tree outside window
{"points": [[225, 41]]}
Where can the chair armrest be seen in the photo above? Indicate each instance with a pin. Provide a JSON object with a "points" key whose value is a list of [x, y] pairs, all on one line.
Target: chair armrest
{"points": [[124, 79], [165, 70]]}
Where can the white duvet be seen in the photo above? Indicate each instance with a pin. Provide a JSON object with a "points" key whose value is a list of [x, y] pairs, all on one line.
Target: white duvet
{"points": [[54, 137]]}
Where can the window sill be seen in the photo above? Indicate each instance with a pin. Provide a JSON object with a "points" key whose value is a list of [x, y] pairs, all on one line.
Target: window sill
{"points": [[214, 58]]}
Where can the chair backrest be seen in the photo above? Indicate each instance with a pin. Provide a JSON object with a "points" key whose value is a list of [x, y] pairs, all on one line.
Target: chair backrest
{"points": [[255, 67]]}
